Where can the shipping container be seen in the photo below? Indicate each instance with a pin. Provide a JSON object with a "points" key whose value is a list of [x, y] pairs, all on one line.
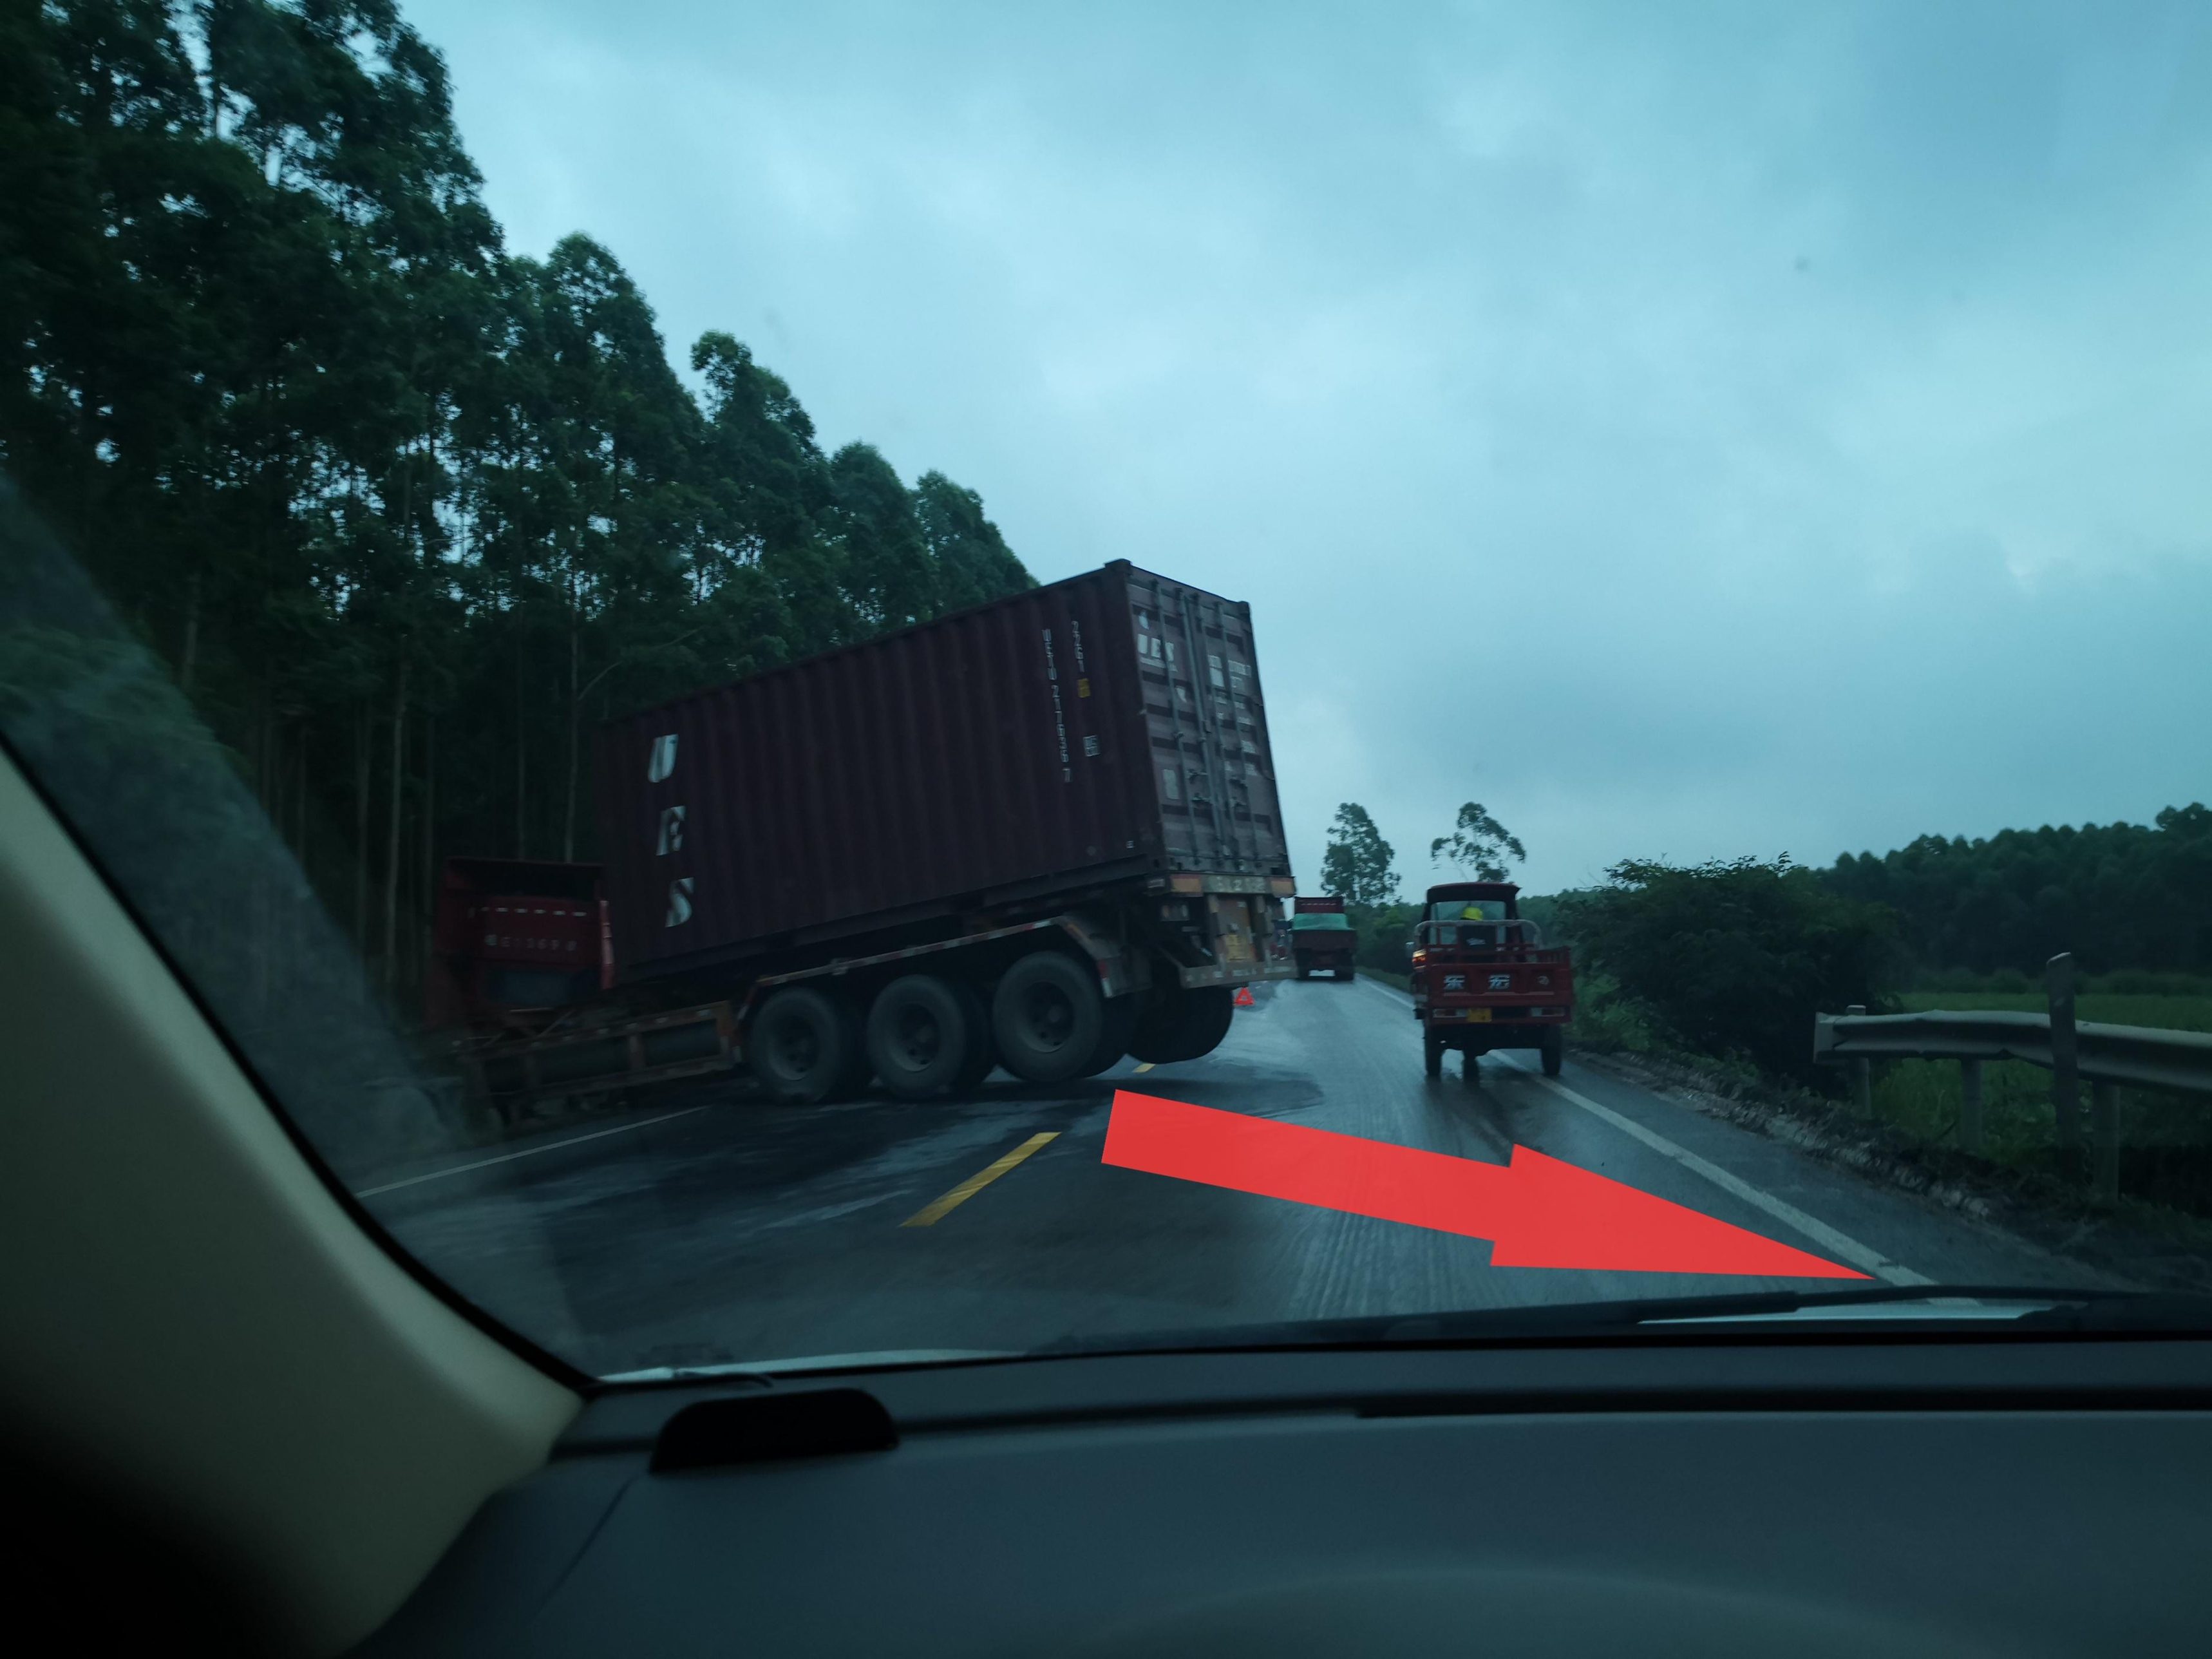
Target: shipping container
{"points": [[1106, 734]]}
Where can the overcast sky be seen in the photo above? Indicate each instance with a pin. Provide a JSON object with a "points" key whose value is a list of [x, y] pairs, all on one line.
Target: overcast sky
{"points": [[1689, 431]]}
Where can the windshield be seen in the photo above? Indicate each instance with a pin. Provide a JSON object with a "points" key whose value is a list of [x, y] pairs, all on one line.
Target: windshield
{"points": [[719, 639]]}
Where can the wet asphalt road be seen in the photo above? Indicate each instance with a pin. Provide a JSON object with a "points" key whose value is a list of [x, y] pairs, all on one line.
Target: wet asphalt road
{"points": [[711, 1229]]}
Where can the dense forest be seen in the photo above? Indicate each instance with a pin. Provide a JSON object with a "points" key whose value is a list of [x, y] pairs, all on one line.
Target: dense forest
{"points": [[2119, 897], [405, 513], [2122, 897]]}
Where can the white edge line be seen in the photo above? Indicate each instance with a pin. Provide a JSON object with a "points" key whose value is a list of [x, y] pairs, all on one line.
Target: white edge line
{"points": [[1863, 1256], [527, 1151]]}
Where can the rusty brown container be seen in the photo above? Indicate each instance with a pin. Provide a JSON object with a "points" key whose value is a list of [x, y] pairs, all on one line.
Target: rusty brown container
{"points": [[1106, 729]]}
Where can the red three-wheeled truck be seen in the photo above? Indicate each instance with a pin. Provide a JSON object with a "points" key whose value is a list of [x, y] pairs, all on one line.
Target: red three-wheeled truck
{"points": [[1483, 978]]}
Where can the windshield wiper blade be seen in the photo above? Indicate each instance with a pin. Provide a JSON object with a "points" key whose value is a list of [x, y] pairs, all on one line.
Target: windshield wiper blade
{"points": [[762, 1370], [2039, 1307], [2048, 1307]]}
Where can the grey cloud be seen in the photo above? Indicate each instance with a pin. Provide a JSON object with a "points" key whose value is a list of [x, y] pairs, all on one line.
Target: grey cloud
{"points": [[1689, 430]]}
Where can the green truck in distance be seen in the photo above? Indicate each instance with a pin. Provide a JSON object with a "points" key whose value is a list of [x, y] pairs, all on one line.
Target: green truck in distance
{"points": [[1321, 937]]}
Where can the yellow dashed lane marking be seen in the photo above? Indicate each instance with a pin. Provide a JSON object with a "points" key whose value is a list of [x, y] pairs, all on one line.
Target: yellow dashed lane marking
{"points": [[931, 1213], [1147, 1066]]}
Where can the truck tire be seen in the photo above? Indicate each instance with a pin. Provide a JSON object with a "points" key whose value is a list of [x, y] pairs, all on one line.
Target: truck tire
{"points": [[1049, 1017], [1554, 1050], [918, 1035], [1345, 972], [802, 1046], [1432, 1054], [1183, 1024], [1116, 1032], [983, 1056]]}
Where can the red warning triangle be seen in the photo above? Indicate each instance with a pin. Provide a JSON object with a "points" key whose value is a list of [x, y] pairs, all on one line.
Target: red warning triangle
{"points": [[1244, 996]]}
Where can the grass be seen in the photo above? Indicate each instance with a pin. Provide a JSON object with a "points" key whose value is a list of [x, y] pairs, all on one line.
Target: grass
{"points": [[2019, 1126], [2166, 1139], [1607, 1022]]}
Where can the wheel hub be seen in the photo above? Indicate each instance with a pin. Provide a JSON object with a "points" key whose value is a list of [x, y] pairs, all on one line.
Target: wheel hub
{"points": [[919, 1040], [1049, 1016], [794, 1050]]}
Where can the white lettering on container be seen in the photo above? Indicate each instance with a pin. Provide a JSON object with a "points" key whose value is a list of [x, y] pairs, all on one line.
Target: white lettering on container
{"points": [[662, 761], [679, 901], [671, 832], [1059, 718]]}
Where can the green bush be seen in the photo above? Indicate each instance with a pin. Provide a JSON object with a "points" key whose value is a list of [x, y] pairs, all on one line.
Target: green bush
{"points": [[1608, 1020], [1732, 958], [1385, 931]]}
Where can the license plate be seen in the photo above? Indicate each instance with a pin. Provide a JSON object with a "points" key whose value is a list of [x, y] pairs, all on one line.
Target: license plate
{"points": [[1481, 1015]]}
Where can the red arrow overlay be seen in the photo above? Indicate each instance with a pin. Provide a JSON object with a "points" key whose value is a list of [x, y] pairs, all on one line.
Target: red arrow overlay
{"points": [[1539, 1212]]}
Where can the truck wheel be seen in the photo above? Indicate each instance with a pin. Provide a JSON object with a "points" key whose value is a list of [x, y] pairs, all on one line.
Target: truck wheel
{"points": [[1047, 1016], [1304, 967], [1183, 1023], [983, 1055], [1345, 972], [1116, 1031], [1210, 1020], [1554, 1048], [1432, 1054], [802, 1046], [918, 1035]]}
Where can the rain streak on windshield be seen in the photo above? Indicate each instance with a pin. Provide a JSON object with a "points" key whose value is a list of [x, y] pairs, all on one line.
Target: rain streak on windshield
{"points": [[834, 738]]}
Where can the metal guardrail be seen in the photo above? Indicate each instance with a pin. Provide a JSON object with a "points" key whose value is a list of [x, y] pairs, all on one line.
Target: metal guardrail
{"points": [[2139, 1056], [2109, 1056]]}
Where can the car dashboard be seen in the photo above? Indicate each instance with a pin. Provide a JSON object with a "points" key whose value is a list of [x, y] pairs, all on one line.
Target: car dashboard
{"points": [[1720, 1497]]}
